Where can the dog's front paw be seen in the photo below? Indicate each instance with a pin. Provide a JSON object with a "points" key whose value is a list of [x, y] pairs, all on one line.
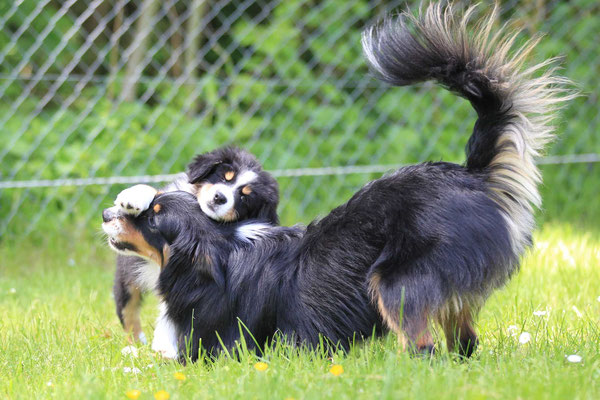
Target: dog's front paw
{"points": [[165, 347], [168, 354], [165, 337], [135, 199]]}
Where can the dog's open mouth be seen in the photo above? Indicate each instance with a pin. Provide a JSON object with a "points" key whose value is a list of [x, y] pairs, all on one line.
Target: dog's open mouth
{"points": [[115, 243], [114, 229], [120, 246]]}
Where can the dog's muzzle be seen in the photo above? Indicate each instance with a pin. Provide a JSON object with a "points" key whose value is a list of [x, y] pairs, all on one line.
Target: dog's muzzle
{"points": [[112, 220], [219, 199], [109, 214]]}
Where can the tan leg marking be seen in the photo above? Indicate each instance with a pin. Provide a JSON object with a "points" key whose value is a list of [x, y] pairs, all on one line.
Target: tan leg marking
{"points": [[417, 330], [131, 315], [391, 321], [459, 331]]}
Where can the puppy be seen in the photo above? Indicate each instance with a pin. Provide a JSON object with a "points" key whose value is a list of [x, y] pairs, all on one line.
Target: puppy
{"points": [[428, 242], [229, 185]]}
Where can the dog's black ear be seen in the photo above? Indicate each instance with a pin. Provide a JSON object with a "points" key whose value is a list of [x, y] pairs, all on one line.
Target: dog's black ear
{"points": [[270, 199], [202, 166], [268, 212]]}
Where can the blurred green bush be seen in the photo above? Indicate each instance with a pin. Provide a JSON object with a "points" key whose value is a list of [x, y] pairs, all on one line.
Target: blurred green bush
{"points": [[287, 82]]}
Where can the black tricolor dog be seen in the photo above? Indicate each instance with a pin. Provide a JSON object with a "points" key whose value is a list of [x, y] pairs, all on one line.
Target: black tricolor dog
{"points": [[230, 185], [427, 242]]}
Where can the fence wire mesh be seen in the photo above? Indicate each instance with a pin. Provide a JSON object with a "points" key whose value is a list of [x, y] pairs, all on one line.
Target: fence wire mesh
{"points": [[99, 94]]}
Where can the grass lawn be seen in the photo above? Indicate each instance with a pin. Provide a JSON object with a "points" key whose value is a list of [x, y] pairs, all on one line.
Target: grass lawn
{"points": [[60, 338]]}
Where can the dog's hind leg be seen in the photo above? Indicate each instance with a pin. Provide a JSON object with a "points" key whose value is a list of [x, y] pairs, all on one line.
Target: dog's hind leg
{"points": [[129, 314], [392, 320], [406, 293], [128, 301], [458, 328], [419, 336], [128, 297], [403, 314]]}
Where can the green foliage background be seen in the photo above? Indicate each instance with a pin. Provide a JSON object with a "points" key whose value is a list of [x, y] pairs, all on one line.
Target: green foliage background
{"points": [[287, 82]]}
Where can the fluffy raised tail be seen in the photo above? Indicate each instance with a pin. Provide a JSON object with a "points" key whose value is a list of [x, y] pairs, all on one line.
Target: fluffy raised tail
{"points": [[515, 103]]}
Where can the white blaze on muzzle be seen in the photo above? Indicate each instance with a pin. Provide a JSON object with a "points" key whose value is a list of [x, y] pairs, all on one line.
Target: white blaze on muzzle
{"points": [[213, 209], [113, 226], [226, 210]]}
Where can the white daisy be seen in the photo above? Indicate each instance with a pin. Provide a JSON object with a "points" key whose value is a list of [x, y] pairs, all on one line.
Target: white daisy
{"points": [[574, 358], [130, 350], [524, 337]]}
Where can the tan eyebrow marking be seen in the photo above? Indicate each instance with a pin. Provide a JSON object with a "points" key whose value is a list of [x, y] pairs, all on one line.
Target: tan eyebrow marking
{"points": [[247, 190], [156, 208], [229, 175]]}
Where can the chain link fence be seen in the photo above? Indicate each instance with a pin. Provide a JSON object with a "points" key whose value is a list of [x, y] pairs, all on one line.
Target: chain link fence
{"points": [[100, 94]]}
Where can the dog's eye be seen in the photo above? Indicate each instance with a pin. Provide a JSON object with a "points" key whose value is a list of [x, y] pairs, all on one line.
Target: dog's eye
{"points": [[152, 222], [244, 192]]}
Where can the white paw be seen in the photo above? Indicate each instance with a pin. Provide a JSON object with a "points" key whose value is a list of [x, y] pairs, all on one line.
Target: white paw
{"points": [[142, 338], [165, 336], [165, 348], [135, 199], [167, 354]]}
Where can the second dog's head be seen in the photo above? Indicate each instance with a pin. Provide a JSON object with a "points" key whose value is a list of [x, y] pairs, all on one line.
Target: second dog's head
{"points": [[231, 185]]}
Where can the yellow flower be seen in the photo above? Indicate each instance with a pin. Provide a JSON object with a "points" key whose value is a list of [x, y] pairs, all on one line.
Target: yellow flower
{"points": [[179, 376], [261, 366], [336, 370], [161, 395], [133, 394]]}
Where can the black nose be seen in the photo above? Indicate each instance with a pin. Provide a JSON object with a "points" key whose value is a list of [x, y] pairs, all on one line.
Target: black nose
{"points": [[219, 198], [108, 215]]}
